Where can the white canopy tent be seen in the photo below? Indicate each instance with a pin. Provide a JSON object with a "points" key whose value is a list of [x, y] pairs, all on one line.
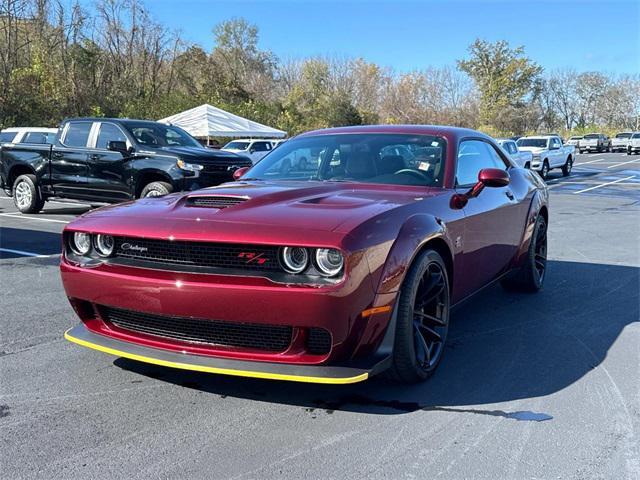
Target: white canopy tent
{"points": [[208, 121]]}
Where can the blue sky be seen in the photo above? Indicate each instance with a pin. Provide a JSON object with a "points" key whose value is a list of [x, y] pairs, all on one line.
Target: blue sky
{"points": [[585, 35]]}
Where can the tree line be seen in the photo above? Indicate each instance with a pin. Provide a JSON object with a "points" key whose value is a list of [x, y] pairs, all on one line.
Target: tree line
{"points": [[111, 58]]}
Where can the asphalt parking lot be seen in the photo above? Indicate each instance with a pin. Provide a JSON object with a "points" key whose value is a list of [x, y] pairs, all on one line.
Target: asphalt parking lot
{"points": [[531, 386]]}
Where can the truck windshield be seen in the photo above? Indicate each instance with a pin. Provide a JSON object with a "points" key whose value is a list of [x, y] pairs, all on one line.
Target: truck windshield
{"points": [[158, 135], [592, 136], [367, 158], [533, 142], [623, 135], [236, 146]]}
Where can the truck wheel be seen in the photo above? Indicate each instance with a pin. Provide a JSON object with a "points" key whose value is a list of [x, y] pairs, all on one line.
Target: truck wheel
{"points": [[628, 150], [544, 173], [422, 321], [156, 189], [566, 168], [26, 194], [530, 277]]}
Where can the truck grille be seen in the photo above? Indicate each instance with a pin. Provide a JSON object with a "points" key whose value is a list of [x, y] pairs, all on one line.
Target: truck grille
{"points": [[272, 338], [199, 254]]}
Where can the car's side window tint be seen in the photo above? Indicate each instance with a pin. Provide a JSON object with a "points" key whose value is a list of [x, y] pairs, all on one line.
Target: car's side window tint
{"points": [[77, 134], [109, 133], [473, 156]]}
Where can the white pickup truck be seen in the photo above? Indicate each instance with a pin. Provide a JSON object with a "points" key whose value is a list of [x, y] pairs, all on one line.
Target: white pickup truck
{"points": [[548, 153], [519, 157]]}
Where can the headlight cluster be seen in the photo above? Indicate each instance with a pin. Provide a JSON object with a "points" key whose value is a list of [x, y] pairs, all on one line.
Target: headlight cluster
{"points": [[328, 261], [189, 167], [82, 243]]}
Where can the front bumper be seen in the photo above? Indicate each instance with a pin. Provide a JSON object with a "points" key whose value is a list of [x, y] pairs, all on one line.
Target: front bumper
{"points": [[274, 371]]}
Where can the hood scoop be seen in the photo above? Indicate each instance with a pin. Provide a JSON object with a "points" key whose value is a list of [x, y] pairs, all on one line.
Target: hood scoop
{"points": [[215, 201]]}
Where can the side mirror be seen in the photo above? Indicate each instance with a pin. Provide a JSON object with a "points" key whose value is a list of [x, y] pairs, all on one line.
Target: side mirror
{"points": [[487, 177], [118, 146], [240, 172]]}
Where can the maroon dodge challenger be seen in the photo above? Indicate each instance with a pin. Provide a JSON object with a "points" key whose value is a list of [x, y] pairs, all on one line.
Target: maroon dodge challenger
{"points": [[337, 257]]}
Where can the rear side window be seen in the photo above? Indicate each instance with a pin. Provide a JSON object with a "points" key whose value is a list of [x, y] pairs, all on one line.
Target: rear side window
{"points": [[109, 133], [7, 137], [77, 134], [35, 137], [473, 156]]}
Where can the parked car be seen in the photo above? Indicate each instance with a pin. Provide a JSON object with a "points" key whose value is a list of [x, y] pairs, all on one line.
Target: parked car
{"points": [[28, 135], [634, 144], [595, 142], [330, 275], [254, 149], [520, 158], [100, 160], [548, 153], [575, 141], [621, 141]]}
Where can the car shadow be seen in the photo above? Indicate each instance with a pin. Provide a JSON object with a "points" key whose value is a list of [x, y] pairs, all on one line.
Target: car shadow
{"points": [[501, 347]]}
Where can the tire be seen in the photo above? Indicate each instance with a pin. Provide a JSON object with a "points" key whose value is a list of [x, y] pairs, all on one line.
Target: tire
{"points": [[566, 168], [530, 276], [629, 151], [420, 337], [156, 189], [544, 173], [26, 195]]}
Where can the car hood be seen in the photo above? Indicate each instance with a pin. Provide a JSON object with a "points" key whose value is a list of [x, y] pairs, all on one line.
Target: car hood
{"points": [[277, 206], [533, 150], [203, 155]]}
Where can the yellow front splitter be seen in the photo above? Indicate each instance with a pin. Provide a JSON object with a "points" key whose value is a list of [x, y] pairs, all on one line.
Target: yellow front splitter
{"points": [[199, 363]]}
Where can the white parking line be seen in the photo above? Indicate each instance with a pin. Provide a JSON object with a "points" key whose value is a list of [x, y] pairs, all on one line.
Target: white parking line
{"points": [[624, 163], [27, 254], [592, 161], [24, 217], [604, 184]]}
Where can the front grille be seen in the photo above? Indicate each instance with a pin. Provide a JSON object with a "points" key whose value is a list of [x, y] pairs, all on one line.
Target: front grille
{"points": [[215, 201], [199, 254], [272, 338], [318, 341]]}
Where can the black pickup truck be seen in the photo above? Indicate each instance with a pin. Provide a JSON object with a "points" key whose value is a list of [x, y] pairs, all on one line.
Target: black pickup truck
{"points": [[105, 160]]}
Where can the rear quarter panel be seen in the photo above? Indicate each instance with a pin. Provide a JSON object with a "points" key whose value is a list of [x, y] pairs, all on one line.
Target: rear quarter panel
{"points": [[34, 157]]}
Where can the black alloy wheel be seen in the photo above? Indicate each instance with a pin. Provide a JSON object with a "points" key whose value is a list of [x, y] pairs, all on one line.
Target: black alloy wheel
{"points": [[422, 320]]}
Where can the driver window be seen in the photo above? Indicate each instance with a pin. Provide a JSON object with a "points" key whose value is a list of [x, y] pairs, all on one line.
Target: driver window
{"points": [[109, 133], [473, 156]]}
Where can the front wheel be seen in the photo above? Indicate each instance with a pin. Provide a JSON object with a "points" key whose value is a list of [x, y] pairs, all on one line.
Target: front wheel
{"points": [[422, 319], [530, 277], [629, 151], [156, 189], [566, 168], [544, 173], [26, 194]]}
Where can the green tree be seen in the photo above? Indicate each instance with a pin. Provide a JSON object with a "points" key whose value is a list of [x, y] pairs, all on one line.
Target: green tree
{"points": [[506, 77]]}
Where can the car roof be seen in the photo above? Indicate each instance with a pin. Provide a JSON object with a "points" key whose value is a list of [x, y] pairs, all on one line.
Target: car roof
{"points": [[434, 130], [29, 129]]}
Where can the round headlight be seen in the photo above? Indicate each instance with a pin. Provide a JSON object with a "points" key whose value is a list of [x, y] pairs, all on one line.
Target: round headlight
{"points": [[104, 245], [329, 261], [81, 243], [294, 259]]}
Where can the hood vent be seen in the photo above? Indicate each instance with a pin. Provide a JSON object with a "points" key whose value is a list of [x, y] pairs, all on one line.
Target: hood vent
{"points": [[210, 201]]}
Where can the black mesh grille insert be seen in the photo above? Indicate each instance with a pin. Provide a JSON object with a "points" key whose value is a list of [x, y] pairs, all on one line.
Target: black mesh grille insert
{"points": [[318, 341], [273, 338], [200, 254], [214, 202]]}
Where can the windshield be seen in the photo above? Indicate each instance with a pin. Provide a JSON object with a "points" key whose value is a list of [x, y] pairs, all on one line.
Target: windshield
{"points": [[533, 142], [398, 159], [236, 146], [623, 135], [592, 136], [575, 138], [159, 135]]}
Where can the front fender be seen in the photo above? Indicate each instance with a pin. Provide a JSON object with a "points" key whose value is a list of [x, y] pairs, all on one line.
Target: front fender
{"points": [[412, 236]]}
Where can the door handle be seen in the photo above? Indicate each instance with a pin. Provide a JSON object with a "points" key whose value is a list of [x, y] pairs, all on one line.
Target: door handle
{"points": [[509, 195], [57, 155], [94, 157]]}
